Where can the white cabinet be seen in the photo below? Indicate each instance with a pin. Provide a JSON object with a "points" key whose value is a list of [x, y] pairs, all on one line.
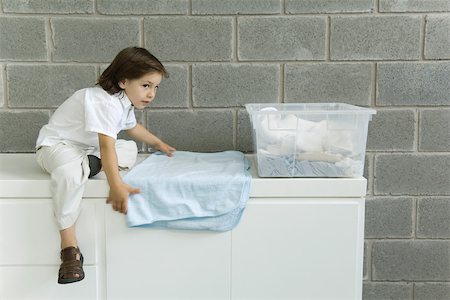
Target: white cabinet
{"points": [[284, 248], [298, 239], [298, 249]]}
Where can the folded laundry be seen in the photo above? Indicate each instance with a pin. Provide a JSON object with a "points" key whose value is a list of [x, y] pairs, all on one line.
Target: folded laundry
{"points": [[198, 191], [294, 134]]}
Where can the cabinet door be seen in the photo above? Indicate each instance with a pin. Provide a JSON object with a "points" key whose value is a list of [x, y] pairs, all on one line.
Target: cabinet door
{"points": [[29, 251], [299, 249], [145, 263], [29, 235]]}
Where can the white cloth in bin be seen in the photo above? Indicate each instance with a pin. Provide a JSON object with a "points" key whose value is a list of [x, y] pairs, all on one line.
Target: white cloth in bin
{"points": [[285, 134]]}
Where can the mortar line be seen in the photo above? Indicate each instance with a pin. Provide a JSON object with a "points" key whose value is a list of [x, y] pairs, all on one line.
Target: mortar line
{"points": [[190, 88], [263, 15], [95, 7], [416, 129], [414, 218], [234, 41], [371, 174], [5, 88], [374, 95], [281, 92], [142, 32], [423, 24], [369, 260], [235, 127], [328, 40], [266, 62], [49, 39]]}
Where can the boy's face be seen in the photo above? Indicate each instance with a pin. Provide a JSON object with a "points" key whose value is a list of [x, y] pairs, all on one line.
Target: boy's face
{"points": [[141, 91]]}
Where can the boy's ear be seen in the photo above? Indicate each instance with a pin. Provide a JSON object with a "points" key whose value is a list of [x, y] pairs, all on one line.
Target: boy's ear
{"points": [[122, 84]]}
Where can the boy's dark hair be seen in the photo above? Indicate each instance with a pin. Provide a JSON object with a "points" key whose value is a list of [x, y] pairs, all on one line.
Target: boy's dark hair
{"points": [[130, 63]]}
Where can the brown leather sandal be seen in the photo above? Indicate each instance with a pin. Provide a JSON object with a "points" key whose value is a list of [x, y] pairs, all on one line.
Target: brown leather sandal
{"points": [[70, 266]]}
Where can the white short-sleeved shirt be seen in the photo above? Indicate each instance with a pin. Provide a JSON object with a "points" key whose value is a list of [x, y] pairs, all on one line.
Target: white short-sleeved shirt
{"points": [[85, 114]]}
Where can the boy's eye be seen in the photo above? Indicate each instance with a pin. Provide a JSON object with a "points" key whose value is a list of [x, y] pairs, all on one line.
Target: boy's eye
{"points": [[146, 85]]}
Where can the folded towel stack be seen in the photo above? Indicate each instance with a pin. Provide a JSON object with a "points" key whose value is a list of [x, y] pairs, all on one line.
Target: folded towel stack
{"points": [[197, 191]]}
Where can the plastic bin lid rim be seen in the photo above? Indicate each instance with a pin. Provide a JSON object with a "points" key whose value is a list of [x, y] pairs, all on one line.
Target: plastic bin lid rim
{"points": [[353, 108]]}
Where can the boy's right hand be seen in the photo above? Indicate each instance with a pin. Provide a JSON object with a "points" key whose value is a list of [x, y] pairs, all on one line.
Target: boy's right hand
{"points": [[118, 197]]}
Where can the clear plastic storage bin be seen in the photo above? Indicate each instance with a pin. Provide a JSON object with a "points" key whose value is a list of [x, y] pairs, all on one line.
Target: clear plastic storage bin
{"points": [[309, 139]]}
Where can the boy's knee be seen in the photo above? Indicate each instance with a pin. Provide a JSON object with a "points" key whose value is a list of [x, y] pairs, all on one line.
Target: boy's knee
{"points": [[72, 174]]}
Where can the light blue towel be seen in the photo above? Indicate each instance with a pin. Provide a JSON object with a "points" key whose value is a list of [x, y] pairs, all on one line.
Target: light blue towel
{"points": [[198, 191]]}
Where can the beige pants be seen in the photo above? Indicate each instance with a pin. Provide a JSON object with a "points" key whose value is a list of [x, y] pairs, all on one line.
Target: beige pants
{"points": [[68, 166]]}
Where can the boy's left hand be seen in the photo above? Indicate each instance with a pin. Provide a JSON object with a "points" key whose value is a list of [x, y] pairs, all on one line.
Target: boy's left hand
{"points": [[163, 147]]}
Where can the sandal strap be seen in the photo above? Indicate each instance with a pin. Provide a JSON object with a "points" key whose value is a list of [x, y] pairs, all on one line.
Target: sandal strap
{"points": [[70, 253], [70, 265]]}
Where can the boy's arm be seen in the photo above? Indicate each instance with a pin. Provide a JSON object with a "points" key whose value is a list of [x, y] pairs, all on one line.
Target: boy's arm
{"points": [[118, 190], [141, 133]]}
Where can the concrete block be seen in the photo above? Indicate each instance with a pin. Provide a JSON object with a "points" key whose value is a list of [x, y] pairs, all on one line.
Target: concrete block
{"points": [[203, 7], [189, 38], [409, 174], [328, 6], [430, 290], [22, 38], [49, 6], [244, 132], [414, 5], [281, 38], [326, 82], [434, 130], [437, 37], [173, 91], [389, 218], [92, 39], [204, 131], [433, 218], [219, 85], [46, 85], [387, 291], [392, 130], [413, 83], [410, 260], [142, 7], [19, 130], [375, 38]]}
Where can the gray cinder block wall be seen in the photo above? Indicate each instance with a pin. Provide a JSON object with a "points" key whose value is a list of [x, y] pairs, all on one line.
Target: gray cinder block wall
{"points": [[392, 55]]}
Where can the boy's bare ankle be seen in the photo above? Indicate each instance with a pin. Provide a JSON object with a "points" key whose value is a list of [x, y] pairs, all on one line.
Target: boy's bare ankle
{"points": [[68, 237], [66, 245]]}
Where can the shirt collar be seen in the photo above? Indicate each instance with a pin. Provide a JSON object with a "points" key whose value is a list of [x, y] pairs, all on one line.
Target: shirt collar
{"points": [[124, 99]]}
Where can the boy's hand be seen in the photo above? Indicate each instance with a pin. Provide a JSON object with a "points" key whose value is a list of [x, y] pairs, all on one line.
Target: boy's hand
{"points": [[118, 197], [168, 150]]}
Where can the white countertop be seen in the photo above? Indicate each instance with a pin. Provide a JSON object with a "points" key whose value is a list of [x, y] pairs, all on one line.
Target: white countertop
{"points": [[21, 177]]}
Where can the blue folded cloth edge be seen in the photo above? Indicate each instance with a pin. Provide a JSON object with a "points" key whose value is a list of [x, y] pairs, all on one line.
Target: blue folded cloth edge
{"points": [[223, 222]]}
